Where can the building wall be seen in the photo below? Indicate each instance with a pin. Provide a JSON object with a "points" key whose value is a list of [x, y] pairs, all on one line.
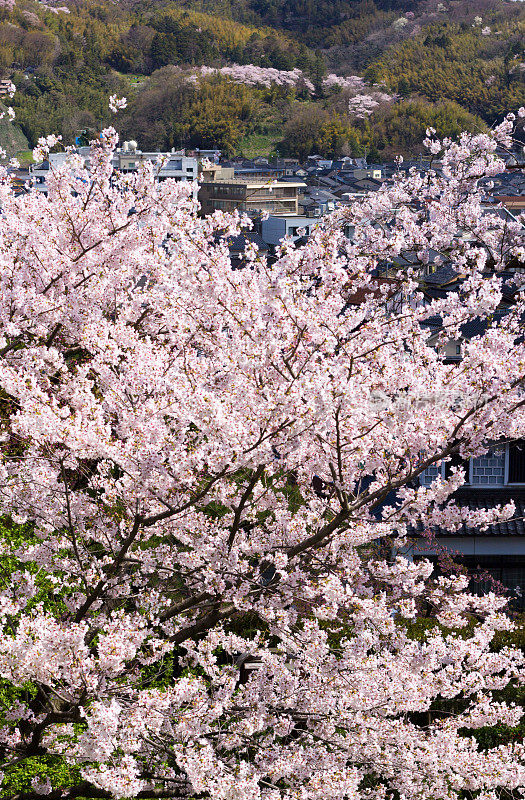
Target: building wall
{"points": [[477, 545], [486, 471], [275, 228], [175, 166], [224, 196]]}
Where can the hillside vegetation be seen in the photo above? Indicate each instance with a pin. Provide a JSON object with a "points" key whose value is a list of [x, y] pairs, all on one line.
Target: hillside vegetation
{"points": [[450, 64]]}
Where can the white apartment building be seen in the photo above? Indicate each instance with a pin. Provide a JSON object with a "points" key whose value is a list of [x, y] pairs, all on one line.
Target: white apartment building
{"points": [[126, 159]]}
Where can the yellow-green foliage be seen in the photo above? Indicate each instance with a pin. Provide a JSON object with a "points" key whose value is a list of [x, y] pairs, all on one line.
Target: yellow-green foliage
{"points": [[77, 60], [228, 31], [480, 73]]}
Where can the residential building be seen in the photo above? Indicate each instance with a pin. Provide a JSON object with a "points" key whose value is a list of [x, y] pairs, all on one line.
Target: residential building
{"points": [[317, 202], [175, 164], [126, 159], [494, 479], [491, 480], [237, 246], [514, 202], [250, 196], [214, 172], [373, 171], [39, 173], [276, 227], [209, 155], [258, 171]]}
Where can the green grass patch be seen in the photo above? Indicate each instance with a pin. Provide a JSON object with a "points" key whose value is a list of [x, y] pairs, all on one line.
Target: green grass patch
{"points": [[25, 157], [258, 144]]}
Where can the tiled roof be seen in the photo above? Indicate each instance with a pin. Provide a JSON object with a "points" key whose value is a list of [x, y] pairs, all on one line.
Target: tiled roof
{"points": [[238, 243], [482, 499], [442, 276]]}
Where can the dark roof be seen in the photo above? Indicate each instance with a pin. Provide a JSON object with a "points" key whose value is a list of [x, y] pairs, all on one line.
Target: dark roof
{"points": [[432, 322], [474, 327], [345, 188], [257, 169], [319, 195], [482, 499], [368, 183], [327, 181], [442, 276], [237, 244]]}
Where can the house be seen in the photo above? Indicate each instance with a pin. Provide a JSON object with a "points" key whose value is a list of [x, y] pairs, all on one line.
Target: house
{"points": [[491, 480], [514, 202], [289, 167], [209, 155], [275, 228], [214, 172], [319, 162], [317, 202], [252, 169], [299, 172], [237, 246], [39, 173], [126, 159], [344, 163], [373, 171], [367, 184]]}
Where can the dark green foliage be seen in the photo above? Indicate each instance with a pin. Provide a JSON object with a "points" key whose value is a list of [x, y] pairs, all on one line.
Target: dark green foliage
{"points": [[175, 43]]}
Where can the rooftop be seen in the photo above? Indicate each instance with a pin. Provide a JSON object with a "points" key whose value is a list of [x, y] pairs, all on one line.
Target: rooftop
{"points": [[255, 184]]}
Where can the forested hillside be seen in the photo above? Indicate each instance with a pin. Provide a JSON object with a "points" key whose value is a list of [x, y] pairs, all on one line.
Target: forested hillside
{"points": [[450, 64]]}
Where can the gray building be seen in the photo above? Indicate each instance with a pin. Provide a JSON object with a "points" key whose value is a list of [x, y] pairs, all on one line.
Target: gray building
{"points": [[275, 228]]}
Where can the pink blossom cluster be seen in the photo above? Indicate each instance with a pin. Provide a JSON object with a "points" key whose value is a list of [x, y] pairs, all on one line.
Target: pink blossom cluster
{"points": [[266, 76], [363, 105], [117, 104], [221, 513], [352, 83], [261, 76]]}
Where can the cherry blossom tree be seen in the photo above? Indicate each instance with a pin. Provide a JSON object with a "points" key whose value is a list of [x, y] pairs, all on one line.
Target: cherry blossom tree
{"points": [[364, 105], [353, 83], [208, 479], [252, 75]]}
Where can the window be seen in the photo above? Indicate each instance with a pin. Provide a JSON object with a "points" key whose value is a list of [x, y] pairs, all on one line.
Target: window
{"points": [[458, 349], [517, 462], [457, 461]]}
